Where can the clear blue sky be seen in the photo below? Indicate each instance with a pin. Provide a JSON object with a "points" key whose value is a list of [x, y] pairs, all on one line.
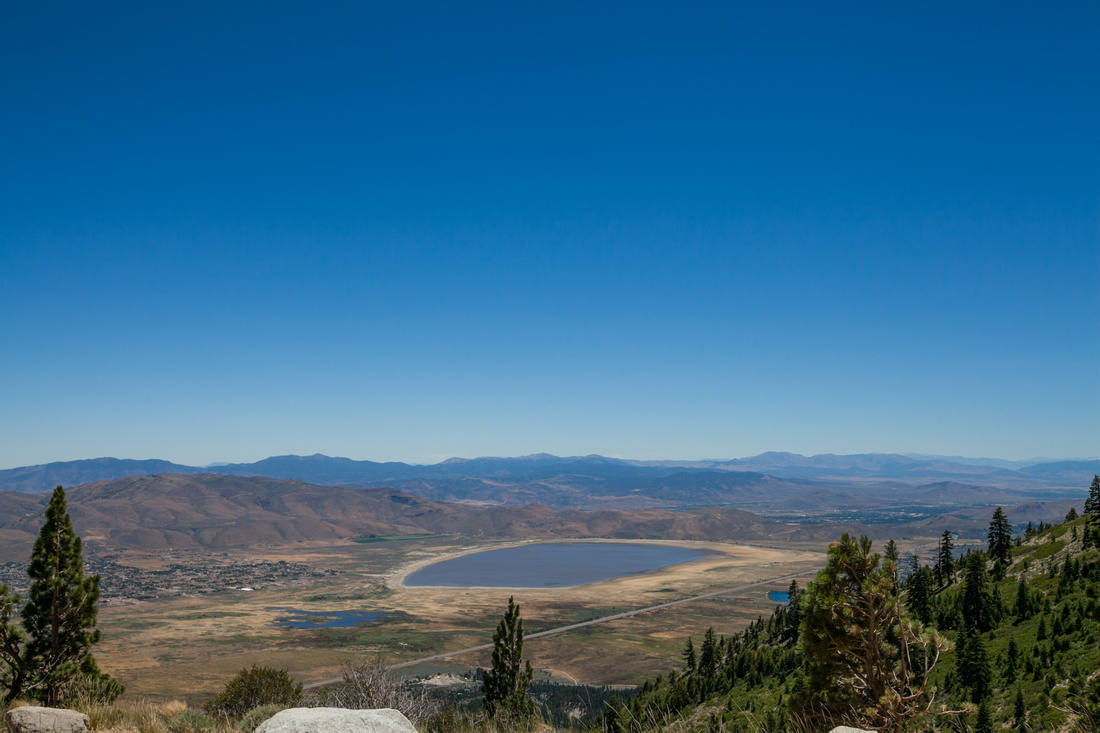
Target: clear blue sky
{"points": [[406, 231]]}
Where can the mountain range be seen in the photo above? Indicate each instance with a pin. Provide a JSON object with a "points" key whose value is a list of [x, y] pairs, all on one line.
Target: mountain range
{"points": [[477, 479], [221, 512]]}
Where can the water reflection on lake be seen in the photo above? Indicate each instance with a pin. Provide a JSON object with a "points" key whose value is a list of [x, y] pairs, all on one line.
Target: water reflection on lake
{"points": [[551, 565], [296, 619]]}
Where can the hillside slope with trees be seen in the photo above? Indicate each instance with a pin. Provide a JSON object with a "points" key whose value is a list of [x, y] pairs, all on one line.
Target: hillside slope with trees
{"points": [[1003, 638]]}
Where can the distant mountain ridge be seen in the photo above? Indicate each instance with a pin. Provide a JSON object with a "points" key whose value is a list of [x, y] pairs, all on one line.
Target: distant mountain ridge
{"points": [[595, 469], [213, 511]]}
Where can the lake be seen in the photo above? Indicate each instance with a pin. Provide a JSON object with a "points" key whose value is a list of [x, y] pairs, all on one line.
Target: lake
{"points": [[551, 565], [779, 595]]}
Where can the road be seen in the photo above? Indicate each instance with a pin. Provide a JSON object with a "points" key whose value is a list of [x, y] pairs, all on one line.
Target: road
{"points": [[582, 624]]}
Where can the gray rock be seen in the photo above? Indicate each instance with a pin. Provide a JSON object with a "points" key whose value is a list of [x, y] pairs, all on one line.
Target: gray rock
{"points": [[846, 729], [31, 719], [336, 720]]}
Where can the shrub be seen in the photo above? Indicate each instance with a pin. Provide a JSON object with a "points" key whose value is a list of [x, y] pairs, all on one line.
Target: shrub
{"points": [[172, 707], [254, 687], [101, 716], [190, 721], [252, 719], [1048, 549], [368, 684], [90, 687]]}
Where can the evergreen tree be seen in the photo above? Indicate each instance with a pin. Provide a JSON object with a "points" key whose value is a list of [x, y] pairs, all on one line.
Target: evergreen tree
{"points": [[976, 602], [689, 656], [60, 611], [612, 717], [12, 671], [794, 612], [891, 551], [984, 723], [863, 660], [1012, 661], [972, 664], [1019, 711], [918, 598], [505, 685], [708, 656], [1092, 506], [945, 562], [1000, 538]]}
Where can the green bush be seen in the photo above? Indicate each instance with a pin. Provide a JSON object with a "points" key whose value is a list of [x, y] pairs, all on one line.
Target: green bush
{"points": [[254, 687], [190, 721], [1047, 549], [90, 686], [255, 716]]}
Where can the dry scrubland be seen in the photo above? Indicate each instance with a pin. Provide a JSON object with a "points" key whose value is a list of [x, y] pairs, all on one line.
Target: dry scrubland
{"points": [[187, 647]]}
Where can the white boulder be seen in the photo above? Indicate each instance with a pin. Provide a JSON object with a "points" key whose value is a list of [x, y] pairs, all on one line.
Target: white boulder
{"points": [[31, 719], [336, 720]]}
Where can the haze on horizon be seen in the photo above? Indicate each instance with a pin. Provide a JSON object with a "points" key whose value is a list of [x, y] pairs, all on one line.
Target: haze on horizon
{"points": [[424, 231]]}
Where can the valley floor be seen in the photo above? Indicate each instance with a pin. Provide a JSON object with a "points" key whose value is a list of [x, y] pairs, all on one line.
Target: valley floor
{"points": [[189, 645]]}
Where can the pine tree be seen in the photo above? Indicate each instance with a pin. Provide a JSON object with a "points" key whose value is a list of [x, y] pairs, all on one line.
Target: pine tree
{"points": [[708, 656], [12, 671], [1012, 661], [794, 611], [505, 685], [984, 723], [689, 656], [972, 663], [945, 562], [918, 598], [976, 603], [1092, 504], [60, 611], [891, 551], [862, 658], [1019, 711], [1000, 538], [1023, 602]]}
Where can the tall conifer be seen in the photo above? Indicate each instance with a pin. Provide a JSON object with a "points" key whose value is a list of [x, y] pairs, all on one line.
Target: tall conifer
{"points": [[1092, 511], [945, 561], [1000, 538], [505, 685], [60, 612]]}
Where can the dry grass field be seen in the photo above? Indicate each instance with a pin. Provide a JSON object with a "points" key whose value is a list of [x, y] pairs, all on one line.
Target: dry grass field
{"points": [[189, 646]]}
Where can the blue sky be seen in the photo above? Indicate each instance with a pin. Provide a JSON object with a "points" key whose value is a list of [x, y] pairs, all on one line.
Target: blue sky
{"points": [[408, 231]]}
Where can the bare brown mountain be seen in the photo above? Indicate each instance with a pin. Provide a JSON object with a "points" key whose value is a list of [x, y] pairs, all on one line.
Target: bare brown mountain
{"points": [[20, 518], [221, 512]]}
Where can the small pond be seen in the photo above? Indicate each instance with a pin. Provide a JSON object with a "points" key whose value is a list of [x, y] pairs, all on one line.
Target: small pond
{"points": [[779, 596], [551, 565], [296, 619]]}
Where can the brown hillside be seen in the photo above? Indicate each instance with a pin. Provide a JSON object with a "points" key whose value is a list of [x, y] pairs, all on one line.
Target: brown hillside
{"points": [[221, 512]]}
